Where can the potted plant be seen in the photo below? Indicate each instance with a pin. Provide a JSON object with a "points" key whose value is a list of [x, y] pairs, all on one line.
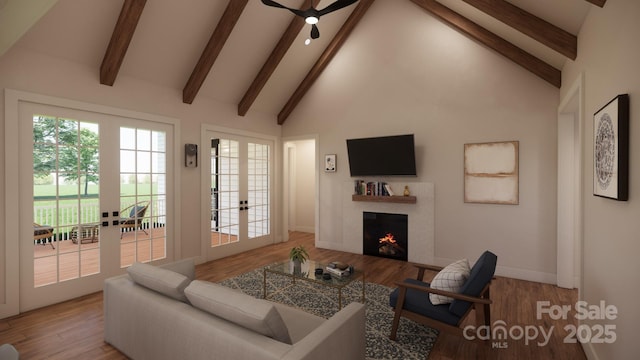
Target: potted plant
{"points": [[298, 256]]}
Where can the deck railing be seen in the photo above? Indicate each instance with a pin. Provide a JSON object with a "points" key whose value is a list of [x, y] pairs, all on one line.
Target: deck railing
{"points": [[64, 216]]}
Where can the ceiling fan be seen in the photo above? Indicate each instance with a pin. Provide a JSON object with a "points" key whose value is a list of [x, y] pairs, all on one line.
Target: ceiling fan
{"points": [[312, 15]]}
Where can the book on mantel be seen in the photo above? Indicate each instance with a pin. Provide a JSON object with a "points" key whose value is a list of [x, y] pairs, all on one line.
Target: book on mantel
{"points": [[372, 188]]}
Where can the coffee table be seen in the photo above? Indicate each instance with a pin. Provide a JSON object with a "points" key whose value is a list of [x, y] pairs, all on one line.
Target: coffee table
{"points": [[307, 273]]}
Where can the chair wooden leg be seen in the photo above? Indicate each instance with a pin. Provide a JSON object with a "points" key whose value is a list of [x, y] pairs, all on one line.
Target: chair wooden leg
{"points": [[396, 318], [483, 317]]}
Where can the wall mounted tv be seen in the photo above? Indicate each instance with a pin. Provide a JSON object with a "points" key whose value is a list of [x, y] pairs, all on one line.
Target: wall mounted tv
{"points": [[382, 156]]}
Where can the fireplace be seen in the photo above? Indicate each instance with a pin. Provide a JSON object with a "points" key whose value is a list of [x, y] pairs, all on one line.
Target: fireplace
{"points": [[385, 235]]}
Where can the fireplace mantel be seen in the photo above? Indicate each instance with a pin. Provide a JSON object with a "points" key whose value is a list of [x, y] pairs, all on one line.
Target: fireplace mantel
{"points": [[421, 219], [388, 199]]}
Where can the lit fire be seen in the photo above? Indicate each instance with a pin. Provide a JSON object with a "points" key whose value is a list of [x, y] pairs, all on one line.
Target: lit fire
{"points": [[389, 246], [387, 239]]}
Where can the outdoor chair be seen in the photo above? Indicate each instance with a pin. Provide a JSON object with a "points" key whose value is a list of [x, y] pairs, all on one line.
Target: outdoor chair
{"points": [[43, 232], [135, 214], [411, 300]]}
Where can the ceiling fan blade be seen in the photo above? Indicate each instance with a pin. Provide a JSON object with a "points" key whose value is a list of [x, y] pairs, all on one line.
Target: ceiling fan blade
{"points": [[275, 4], [315, 33], [335, 6]]}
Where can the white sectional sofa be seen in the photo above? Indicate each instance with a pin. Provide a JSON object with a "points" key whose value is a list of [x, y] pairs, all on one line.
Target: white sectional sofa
{"points": [[163, 313]]}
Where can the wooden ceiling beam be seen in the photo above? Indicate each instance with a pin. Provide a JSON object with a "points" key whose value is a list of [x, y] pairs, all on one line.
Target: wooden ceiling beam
{"points": [[493, 41], [598, 2], [530, 25], [324, 60], [274, 59], [212, 50], [120, 40]]}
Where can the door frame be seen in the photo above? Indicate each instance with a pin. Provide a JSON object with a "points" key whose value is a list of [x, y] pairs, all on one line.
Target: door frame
{"points": [[288, 149], [205, 190], [570, 214], [11, 304]]}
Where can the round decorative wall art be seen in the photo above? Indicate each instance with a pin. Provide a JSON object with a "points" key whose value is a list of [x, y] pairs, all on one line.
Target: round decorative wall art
{"points": [[605, 152], [611, 149]]}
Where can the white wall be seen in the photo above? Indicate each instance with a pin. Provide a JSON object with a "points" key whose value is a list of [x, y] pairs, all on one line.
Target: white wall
{"points": [[302, 208], [419, 76], [608, 56]]}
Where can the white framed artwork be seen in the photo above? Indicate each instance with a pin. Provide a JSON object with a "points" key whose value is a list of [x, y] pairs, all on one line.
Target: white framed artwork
{"points": [[330, 163], [491, 173]]}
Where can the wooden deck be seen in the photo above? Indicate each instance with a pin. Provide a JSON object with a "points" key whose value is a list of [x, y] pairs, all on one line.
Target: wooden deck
{"points": [[73, 329], [76, 260]]}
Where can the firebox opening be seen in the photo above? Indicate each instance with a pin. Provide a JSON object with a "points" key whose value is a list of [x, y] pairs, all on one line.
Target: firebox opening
{"points": [[385, 235]]}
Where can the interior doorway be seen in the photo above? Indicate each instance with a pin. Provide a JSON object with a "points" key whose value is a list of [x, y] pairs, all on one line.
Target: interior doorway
{"points": [[300, 185]]}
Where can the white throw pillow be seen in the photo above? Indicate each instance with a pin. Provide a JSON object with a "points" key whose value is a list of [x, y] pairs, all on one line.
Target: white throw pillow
{"points": [[451, 278], [164, 281]]}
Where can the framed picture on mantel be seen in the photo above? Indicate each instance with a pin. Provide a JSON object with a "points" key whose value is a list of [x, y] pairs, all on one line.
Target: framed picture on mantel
{"points": [[611, 149]]}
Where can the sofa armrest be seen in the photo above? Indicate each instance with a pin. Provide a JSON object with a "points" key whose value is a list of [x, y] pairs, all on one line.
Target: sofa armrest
{"points": [[341, 337]]}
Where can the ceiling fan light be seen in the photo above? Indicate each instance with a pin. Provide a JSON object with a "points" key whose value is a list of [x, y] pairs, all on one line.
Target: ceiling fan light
{"points": [[311, 20]]}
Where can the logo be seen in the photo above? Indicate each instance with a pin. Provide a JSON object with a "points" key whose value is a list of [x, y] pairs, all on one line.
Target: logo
{"points": [[500, 334]]}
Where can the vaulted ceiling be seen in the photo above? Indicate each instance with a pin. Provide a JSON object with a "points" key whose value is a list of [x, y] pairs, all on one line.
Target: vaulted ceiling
{"points": [[243, 52]]}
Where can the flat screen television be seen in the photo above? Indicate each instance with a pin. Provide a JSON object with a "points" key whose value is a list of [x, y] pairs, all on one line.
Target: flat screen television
{"points": [[382, 156]]}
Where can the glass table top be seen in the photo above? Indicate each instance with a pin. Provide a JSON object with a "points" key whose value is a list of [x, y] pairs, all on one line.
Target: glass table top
{"points": [[307, 272]]}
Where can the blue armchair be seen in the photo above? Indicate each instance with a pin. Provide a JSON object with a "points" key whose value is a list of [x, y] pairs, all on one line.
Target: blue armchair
{"points": [[411, 300]]}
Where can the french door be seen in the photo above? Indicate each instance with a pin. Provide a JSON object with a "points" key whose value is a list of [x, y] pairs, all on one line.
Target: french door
{"points": [[238, 185], [94, 196]]}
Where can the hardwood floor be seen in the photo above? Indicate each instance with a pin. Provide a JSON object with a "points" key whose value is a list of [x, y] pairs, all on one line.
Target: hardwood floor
{"points": [[73, 329]]}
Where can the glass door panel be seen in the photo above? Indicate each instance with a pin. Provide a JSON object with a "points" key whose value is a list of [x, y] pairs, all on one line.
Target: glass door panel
{"points": [[258, 190], [225, 179], [240, 194], [142, 195], [65, 199]]}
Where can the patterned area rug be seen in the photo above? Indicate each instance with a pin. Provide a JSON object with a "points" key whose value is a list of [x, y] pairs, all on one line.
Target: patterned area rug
{"points": [[414, 341]]}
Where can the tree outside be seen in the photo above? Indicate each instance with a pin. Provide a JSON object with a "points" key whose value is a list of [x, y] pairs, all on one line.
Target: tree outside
{"points": [[66, 148]]}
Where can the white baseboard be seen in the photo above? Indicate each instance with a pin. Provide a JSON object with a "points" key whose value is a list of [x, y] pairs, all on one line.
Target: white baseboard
{"points": [[528, 275], [307, 229], [337, 247], [510, 272]]}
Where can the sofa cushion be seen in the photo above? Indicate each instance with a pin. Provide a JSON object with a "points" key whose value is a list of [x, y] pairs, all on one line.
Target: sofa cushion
{"points": [[164, 281], [451, 279], [481, 274], [257, 315]]}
